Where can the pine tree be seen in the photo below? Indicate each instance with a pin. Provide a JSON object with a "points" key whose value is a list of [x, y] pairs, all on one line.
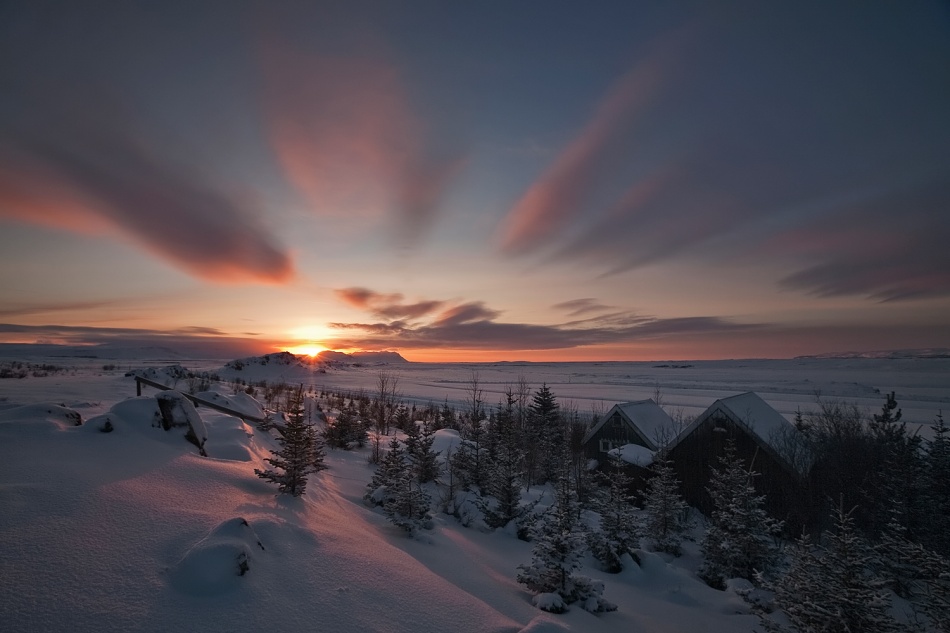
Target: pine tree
{"points": [[447, 419], [505, 470], [829, 588], [402, 419], [740, 540], [665, 518], [619, 532], [392, 468], [407, 504], [425, 461], [915, 573], [936, 506], [300, 454], [558, 547], [346, 430], [544, 437]]}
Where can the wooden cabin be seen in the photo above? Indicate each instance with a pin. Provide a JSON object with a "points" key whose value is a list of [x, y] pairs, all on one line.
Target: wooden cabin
{"points": [[768, 444], [641, 422]]}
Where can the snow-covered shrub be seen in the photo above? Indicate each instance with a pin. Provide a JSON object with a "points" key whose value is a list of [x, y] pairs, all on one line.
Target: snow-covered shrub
{"points": [[665, 518], [556, 555], [830, 588], [741, 538]]}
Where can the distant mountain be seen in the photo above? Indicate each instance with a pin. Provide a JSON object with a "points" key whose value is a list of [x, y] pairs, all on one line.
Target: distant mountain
{"points": [[894, 354], [325, 358], [362, 357]]}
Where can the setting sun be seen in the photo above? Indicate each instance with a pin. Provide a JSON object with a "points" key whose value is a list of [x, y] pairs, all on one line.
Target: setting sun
{"points": [[306, 350]]}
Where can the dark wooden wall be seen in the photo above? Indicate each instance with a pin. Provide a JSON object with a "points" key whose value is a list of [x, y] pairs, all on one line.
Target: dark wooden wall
{"points": [[696, 455]]}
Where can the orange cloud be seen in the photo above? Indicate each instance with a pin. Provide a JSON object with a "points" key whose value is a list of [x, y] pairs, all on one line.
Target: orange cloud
{"points": [[347, 139], [564, 188], [92, 172]]}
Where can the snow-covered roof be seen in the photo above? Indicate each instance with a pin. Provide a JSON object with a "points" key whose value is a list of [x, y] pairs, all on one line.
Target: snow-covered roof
{"points": [[645, 416], [633, 454], [757, 414], [766, 424]]}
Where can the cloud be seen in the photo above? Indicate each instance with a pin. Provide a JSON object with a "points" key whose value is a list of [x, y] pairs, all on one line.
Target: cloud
{"points": [[89, 164], [388, 306], [197, 341], [347, 138], [565, 190], [577, 307], [720, 143], [891, 247], [45, 308], [474, 326], [465, 313]]}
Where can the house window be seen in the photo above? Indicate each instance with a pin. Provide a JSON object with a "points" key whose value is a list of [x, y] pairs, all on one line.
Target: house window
{"points": [[606, 445]]}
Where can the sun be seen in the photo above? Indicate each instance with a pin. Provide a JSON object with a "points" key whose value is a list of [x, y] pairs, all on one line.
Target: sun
{"points": [[308, 349]]}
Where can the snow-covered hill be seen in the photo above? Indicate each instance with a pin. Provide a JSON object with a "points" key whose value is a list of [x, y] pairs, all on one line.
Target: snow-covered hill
{"points": [[132, 530]]}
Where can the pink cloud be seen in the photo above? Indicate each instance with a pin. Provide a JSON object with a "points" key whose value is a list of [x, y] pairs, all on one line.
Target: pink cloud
{"points": [[97, 176], [563, 189], [347, 139]]}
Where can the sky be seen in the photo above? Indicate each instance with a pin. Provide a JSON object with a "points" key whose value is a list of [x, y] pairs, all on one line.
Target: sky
{"points": [[549, 181]]}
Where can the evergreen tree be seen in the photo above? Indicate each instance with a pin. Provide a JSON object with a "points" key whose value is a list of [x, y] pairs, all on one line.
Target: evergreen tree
{"points": [[544, 437], [914, 573], [830, 589], [392, 468], [740, 540], [345, 430], [665, 518], [503, 480], [425, 461], [300, 454], [402, 419], [936, 506], [893, 483], [556, 555], [407, 504], [619, 533], [447, 419]]}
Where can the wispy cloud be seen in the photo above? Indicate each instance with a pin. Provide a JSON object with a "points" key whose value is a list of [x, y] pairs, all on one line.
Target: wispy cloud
{"points": [[475, 326], [564, 191], [199, 341], [346, 136], [578, 307], [697, 153], [890, 248], [23, 309], [386, 306], [89, 164]]}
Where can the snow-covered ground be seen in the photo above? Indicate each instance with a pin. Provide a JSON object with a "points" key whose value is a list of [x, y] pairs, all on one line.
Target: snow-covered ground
{"points": [[133, 531]]}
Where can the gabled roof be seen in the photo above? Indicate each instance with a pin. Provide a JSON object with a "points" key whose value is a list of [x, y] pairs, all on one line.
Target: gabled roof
{"points": [[769, 427], [645, 417]]}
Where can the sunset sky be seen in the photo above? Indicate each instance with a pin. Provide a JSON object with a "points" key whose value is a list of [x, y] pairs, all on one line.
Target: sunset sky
{"points": [[477, 180]]}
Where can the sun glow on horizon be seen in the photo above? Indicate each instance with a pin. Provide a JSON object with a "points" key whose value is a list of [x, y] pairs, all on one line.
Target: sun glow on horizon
{"points": [[308, 349]]}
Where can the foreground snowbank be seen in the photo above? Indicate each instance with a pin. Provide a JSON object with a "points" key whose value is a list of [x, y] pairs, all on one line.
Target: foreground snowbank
{"points": [[131, 531]]}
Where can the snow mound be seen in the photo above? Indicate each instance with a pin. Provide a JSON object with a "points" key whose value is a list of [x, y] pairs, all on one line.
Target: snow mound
{"points": [[53, 414], [217, 562], [141, 411], [228, 438], [240, 402], [550, 602], [445, 440], [169, 375], [634, 454], [545, 624]]}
